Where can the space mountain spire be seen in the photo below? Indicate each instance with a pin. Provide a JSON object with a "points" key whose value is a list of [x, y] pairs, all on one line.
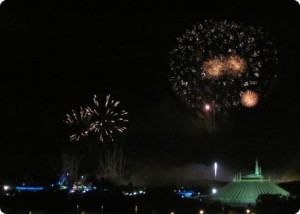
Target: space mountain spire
{"points": [[257, 168]]}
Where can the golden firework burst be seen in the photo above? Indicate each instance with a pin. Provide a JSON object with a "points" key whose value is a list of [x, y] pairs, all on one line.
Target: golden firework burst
{"points": [[249, 99], [232, 66], [235, 65], [213, 68]]}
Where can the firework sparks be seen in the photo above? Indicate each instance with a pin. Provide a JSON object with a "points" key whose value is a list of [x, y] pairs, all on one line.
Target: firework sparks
{"points": [[79, 121], [249, 99], [215, 61], [107, 120]]}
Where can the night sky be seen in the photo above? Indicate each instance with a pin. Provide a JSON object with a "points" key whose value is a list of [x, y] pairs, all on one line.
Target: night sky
{"points": [[55, 56]]}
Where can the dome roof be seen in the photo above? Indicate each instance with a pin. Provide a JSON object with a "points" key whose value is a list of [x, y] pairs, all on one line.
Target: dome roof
{"points": [[245, 190]]}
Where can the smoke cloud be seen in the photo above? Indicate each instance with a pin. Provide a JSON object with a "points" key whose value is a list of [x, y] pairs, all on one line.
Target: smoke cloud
{"points": [[188, 175]]}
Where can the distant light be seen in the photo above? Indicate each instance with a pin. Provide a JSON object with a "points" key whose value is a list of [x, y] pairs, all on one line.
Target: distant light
{"points": [[0, 4], [63, 187], [201, 212], [298, 212], [6, 187], [186, 194], [135, 193], [247, 211], [29, 188], [214, 191], [207, 107]]}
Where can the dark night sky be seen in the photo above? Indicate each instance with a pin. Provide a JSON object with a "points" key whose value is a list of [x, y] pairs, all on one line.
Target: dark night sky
{"points": [[55, 56]]}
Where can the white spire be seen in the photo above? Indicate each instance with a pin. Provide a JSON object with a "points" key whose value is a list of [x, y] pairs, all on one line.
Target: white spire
{"points": [[256, 168]]}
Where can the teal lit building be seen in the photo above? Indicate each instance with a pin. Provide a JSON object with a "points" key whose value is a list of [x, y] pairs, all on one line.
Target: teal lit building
{"points": [[244, 190]]}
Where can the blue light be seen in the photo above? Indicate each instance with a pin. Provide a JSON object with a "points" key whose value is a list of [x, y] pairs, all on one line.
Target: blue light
{"points": [[29, 188], [186, 194]]}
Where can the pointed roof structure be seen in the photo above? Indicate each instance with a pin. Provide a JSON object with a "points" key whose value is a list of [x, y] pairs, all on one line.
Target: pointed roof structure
{"points": [[244, 190]]}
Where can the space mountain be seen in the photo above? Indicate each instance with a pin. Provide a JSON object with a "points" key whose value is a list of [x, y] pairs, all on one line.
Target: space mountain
{"points": [[244, 190]]}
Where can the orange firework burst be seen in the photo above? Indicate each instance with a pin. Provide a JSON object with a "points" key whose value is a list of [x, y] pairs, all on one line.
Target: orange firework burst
{"points": [[249, 99], [235, 65], [213, 68], [232, 65]]}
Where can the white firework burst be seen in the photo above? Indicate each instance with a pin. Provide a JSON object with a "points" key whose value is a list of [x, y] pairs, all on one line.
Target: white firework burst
{"points": [[79, 122], [107, 120]]}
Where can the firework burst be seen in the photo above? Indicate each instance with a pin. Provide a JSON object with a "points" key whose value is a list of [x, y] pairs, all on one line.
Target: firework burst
{"points": [[213, 68], [235, 65], [249, 99], [107, 120], [80, 122], [217, 60]]}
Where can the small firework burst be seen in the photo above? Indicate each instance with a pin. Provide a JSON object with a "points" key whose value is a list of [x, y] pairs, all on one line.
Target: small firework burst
{"points": [[80, 122], [249, 99], [107, 120]]}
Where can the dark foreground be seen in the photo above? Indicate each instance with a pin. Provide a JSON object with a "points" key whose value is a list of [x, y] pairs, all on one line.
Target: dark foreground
{"points": [[155, 201]]}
